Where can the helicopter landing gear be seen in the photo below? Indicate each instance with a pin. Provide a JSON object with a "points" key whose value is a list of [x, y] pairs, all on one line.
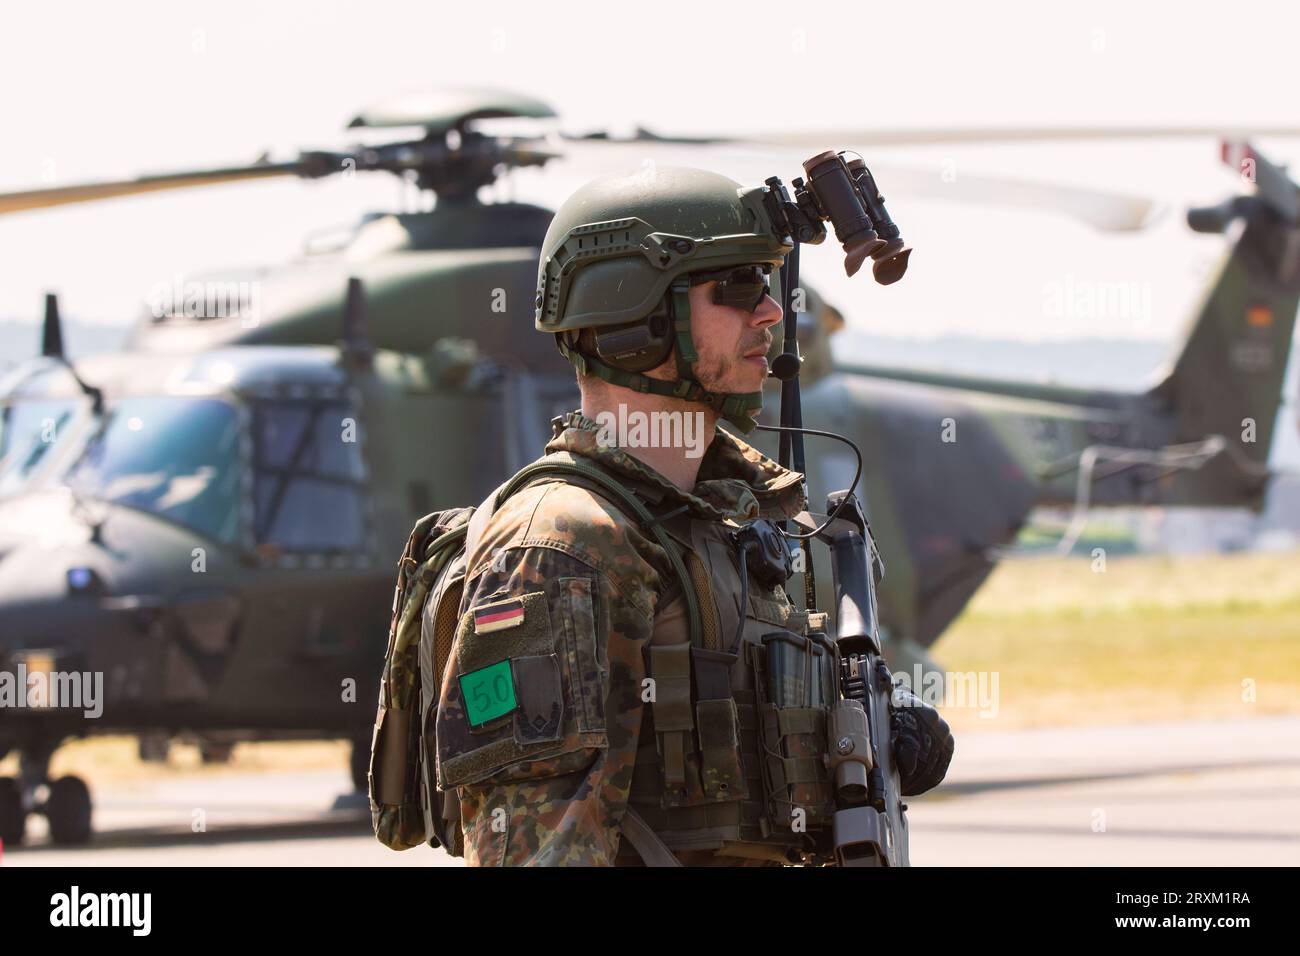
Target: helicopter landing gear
{"points": [[211, 751], [66, 807], [13, 815], [359, 764], [67, 810], [153, 748]]}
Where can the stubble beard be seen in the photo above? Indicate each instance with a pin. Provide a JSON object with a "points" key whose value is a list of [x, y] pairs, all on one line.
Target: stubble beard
{"points": [[717, 373]]}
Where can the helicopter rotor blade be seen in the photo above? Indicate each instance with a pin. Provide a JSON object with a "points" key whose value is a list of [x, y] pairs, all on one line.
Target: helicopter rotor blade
{"points": [[86, 192], [977, 136], [1102, 210], [397, 158], [1099, 209]]}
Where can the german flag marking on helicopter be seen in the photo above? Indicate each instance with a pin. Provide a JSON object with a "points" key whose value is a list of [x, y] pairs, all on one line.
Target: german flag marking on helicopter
{"points": [[498, 616], [1259, 316]]}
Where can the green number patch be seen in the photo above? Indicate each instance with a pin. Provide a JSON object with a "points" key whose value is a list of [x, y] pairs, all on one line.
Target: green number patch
{"points": [[488, 692]]}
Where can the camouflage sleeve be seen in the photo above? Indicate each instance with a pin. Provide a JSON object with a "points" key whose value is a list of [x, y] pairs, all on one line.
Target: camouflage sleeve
{"points": [[548, 786]]}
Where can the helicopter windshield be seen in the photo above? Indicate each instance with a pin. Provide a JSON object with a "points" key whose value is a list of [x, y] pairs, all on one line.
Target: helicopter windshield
{"points": [[176, 457], [29, 430], [308, 475]]}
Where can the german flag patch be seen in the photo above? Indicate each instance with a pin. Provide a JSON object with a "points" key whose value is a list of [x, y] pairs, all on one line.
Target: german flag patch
{"points": [[498, 616]]}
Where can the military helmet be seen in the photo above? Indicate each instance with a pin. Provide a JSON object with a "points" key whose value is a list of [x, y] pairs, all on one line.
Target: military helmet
{"points": [[620, 252]]}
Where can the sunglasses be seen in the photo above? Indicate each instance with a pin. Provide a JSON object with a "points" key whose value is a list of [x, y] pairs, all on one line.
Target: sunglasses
{"points": [[741, 287]]}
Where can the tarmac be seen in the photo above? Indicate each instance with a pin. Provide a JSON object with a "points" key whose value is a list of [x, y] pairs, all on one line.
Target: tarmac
{"points": [[1180, 794]]}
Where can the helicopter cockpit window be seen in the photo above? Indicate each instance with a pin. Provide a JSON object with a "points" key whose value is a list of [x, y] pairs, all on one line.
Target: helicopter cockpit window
{"points": [[173, 456], [307, 476], [29, 430]]}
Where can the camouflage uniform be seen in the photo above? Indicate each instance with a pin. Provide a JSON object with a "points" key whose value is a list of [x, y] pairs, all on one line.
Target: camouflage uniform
{"points": [[559, 797]]}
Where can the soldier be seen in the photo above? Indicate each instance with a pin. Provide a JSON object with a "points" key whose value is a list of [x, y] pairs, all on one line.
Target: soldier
{"points": [[610, 669]]}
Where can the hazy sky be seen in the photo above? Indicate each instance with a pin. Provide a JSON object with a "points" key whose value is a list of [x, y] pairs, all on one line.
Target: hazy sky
{"points": [[97, 90]]}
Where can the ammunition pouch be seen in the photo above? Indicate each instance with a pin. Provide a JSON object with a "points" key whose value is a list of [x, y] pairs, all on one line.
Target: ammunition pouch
{"points": [[697, 734], [795, 681]]}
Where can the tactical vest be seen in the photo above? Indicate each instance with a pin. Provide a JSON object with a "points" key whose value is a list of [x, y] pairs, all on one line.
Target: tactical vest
{"points": [[730, 765]]}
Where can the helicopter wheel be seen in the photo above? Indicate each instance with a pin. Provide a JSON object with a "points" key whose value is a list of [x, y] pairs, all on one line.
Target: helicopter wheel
{"points": [[359, 764], [68, 811], [153, 748], [210, 752], [13, 816]]}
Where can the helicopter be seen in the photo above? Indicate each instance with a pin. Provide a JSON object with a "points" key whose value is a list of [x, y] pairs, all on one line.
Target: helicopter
{"points": [[208, 519]]}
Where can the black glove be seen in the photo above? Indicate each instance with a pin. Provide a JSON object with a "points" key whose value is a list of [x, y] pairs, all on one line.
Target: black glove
{"points": [[921, 740]]}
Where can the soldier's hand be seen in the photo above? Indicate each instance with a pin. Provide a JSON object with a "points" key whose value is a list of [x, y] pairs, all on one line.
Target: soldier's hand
{"points": [[922, 742]]}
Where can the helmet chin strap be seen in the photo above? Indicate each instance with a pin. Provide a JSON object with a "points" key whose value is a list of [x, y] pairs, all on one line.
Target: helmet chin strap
{"points": [[734, 407]]}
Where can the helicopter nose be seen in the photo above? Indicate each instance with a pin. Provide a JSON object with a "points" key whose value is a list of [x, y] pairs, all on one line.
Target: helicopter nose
{"points": [[52, 550], [40, 554], [48, 647], [110, 600]]}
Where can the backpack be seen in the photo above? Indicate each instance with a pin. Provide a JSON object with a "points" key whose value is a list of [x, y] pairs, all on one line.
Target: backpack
{"points": [[406, 806]]}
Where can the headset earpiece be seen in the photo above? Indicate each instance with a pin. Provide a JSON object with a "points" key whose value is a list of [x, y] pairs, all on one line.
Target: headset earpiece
{"points": [[641, 345]]}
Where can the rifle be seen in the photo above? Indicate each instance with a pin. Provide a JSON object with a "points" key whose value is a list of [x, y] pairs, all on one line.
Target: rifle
{"points": [[870, 821]]}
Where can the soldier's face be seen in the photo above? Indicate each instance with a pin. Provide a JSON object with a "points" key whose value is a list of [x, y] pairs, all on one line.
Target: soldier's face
{"points": [[732, 343]]}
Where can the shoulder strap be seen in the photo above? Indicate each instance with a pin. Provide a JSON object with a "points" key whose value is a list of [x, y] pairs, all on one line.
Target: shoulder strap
{"points": [[425, 560], [565, 463], [654, 852]]}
